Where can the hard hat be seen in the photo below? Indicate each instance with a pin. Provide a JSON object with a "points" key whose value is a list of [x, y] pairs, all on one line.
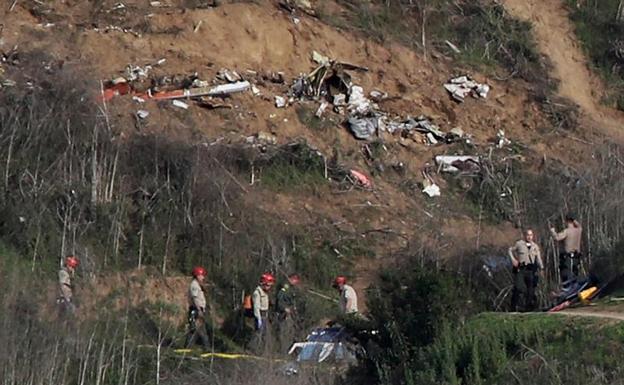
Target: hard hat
{"points": [[198, 270], [294, 279], [267, 278], [71, 261], [340, 280]]}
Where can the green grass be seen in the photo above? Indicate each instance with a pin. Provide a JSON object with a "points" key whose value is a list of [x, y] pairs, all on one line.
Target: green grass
{"points": [[495, 348]]}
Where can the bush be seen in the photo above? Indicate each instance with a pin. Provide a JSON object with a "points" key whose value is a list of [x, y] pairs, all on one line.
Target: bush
{"points": [[410, 308]]}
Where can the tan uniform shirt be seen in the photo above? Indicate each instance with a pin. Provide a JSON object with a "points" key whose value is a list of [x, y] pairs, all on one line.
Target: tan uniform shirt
{"points": [[527, 253], [571, 237], [65, 287], [260, 302], [196, 296], [347, 295]]}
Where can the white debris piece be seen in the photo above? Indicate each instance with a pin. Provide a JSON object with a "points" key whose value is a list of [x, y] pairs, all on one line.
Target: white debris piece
{"points": [[432, 190], [142, 114], [463, 86], [340, 100], [180, 104], [431, 138], [452, 46], [280, 101], [319, 58], [321, 109], [358, 103], [230, 76], [138, 99], [456, 163], [502, 139], [255, 90]]}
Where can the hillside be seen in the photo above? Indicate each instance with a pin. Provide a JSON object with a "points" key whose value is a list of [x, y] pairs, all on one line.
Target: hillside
{"points": [[143, 188]]}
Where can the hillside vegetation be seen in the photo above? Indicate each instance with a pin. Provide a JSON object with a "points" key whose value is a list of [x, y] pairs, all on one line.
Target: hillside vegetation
{"points": [[241, 187]]}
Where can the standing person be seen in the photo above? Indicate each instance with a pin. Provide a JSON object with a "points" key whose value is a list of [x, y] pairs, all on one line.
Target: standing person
{"points": [[66, 289], [348, 296], [260, 299], [197, 311], [526, 259], [570, 249], [287, 316]]}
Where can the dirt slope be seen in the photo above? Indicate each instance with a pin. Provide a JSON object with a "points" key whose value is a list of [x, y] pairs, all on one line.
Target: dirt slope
{"points": [[554, 34]]}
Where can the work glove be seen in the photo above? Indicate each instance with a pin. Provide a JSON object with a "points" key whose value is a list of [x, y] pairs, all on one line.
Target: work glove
{"points": [[258, 323]]}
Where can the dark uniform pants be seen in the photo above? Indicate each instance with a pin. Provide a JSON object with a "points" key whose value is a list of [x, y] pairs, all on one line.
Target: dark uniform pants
{"points": [[569, 266], [197, 329], [523, 297]]}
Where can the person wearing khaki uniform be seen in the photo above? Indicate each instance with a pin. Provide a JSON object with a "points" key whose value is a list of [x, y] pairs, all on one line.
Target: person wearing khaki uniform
{"points": [[197, 311], [570, 249], [261, 303], [526, 260], [348, 297], [66, 289]]}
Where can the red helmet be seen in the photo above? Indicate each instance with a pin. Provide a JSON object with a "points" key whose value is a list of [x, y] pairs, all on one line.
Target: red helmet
{"points": [[294, 279], [71, 261], [340, 280], [267, 278], [198, 270]]}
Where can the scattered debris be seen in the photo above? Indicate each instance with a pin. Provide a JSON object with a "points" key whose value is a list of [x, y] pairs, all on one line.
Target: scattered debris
{"points": [[280, 101], [229, 76], [319, 58], [142, 114], [429, 186], [463, 86], [452, 46], [431, 189], [117, 29], [457, 163], [212, 104], [457, 132], [361, 179], [180, 104], [363, 128], [327, 344], [501, 139], [197, 26], [321, 109]]}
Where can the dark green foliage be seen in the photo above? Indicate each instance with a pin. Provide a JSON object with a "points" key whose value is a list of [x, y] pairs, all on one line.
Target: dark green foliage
{"points": [[411, 308]]}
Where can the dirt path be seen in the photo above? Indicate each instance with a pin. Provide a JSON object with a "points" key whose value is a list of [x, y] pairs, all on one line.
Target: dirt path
{"points": [[554, 34], [595, 314]]}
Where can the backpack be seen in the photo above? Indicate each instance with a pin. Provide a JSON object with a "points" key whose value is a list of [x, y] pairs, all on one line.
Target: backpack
{"points": [[248, 306]]}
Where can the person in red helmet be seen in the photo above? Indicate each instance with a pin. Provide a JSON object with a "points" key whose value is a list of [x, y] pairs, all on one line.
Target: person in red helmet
{"points": [[197, 311], [287, 300], [348, 296], [66, 289], [260, 299]]}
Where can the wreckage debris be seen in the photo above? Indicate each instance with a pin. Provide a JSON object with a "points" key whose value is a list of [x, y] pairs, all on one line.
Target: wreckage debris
{"points": [[458, 163], [361, 179], [463, 86]]}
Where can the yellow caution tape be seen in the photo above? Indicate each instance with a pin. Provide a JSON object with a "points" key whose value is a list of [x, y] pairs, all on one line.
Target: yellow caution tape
{"points": [[228, 356]]}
